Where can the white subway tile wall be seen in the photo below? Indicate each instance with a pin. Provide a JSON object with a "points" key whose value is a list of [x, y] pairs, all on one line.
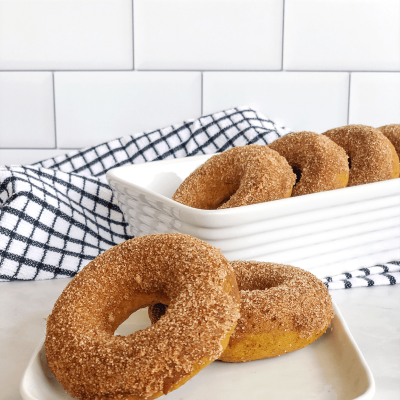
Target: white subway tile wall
{"points": [[26, 110], [65, 34], [76, 73], [94, 107], [297, 100], [208, 34], [342, 35], [374, 98]]}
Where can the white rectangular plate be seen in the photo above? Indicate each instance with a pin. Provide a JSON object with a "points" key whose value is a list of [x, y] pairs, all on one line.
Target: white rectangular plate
{"points": [[332, 368]]}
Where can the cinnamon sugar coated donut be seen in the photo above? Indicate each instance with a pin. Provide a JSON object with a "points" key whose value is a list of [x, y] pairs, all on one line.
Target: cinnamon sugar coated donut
{"points": [[237, 177], [321, 163], [372, 157], [283, 308], [189, 275], [392, 132]]}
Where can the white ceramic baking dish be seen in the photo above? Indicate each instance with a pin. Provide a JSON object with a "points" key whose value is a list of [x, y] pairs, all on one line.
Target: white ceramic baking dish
{"points": [[327, 233]]}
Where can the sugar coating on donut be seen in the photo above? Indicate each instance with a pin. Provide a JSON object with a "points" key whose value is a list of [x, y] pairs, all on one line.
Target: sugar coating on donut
{"points": [[283, 308], [392, 132], [188, 274], [322, 163], [280, 297], [237, 177], [372, 157]]}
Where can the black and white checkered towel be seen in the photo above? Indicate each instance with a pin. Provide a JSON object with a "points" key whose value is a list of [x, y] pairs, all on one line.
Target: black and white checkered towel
{"points": [[58, 214], [382, 274]]}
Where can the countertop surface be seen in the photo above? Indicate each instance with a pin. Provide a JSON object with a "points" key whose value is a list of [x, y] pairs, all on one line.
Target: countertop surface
{"points": [[372, 314]]}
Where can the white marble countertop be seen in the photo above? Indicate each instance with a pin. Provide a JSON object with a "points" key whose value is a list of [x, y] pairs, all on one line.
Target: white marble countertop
{"points": [[372, 314]]}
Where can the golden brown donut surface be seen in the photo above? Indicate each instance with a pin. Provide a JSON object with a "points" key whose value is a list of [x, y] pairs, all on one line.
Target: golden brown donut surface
{"points": [[237, 177], [372, 157], [392, 132], [322, 164], [191, 276], [283, 308]]}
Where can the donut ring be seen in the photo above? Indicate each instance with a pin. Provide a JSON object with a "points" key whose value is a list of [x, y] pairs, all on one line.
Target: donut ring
{"points": [[372, 157], [319, 163], [190, 275], [283, 308], [392, 132], [237, 177]]}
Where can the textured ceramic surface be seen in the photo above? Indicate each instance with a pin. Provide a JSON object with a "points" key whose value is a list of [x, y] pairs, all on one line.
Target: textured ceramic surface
{"points": [[330, 368], [326, 233]]}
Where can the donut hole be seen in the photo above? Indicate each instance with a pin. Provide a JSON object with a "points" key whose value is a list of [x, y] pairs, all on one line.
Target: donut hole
{"points": [[137, 321], [297, 172], [225, 200], [215, 195], [225, 191], [156, 311]]}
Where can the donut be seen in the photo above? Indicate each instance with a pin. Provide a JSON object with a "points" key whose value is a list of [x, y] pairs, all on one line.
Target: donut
{"points": [[237, 177], [392, 132], [191, 276], [372, 157], [282, 309], [319, 163]]}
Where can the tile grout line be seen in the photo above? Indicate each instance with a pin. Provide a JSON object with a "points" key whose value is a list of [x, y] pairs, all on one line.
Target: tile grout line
{"points": [[201, 95], [283, 32], [54, 111], [348, 100], [206, 70], [133, 39]]}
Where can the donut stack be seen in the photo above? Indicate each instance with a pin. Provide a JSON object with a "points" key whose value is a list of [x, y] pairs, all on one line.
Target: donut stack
{"points": [[294, 165], [201, 306], [282, 309]]}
